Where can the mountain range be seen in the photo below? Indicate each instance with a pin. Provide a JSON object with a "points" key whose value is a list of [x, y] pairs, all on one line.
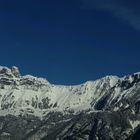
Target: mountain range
{"points": [[32, 108]]}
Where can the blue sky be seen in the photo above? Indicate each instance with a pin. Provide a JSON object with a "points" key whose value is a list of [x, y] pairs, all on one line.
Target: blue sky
{"points": [[70, 42]]}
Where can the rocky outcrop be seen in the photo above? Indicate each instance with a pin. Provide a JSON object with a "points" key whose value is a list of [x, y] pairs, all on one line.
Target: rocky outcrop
{"points": [[15, 71]]}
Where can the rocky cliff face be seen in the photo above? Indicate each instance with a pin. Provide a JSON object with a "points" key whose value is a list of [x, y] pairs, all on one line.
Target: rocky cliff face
{"points": [[31, 108]]}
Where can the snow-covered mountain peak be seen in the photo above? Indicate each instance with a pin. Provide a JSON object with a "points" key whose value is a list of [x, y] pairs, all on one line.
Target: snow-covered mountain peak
{"points": [[111, 80], [104, 103], [37, 94], [15, 71], [7, 72], [130, 80], [12, 77]]}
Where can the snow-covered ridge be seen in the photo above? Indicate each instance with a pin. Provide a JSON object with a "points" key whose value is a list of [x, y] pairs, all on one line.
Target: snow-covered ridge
{"points": [[29, 94]]}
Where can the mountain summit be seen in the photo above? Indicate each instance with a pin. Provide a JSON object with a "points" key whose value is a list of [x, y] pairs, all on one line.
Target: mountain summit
{"points": [[32, 108]]}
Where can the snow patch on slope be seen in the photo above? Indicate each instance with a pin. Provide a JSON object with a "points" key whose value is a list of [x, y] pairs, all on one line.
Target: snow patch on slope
{"points": [[135, 123]]}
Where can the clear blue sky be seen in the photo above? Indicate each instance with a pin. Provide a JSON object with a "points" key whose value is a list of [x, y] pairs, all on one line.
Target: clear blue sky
{"points": [[70, 41]]}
